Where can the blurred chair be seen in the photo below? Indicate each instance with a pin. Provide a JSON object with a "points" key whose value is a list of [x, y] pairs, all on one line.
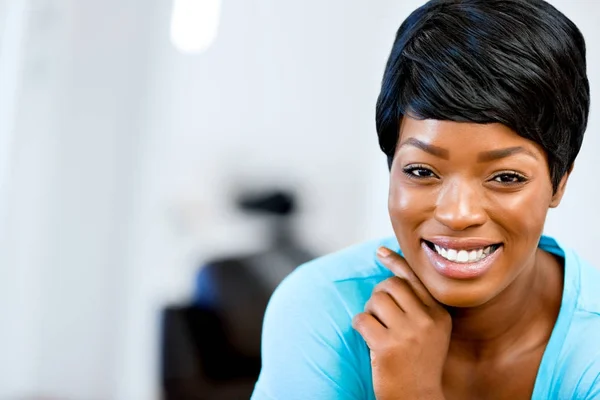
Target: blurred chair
{"points": [[211, 347]]}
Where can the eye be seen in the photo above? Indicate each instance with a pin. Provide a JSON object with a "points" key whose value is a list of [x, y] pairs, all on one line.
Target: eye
{"points": [[419, 172], [509, 178]]}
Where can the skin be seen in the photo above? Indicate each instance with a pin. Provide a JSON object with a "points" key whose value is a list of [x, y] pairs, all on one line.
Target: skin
{"points": [[432, 336]]}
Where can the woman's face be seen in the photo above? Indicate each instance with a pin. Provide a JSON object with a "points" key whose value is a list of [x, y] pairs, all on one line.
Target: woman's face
{"points": [[468, 203]]}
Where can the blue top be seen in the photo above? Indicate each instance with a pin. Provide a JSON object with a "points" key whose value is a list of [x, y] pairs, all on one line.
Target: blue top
{"points": [[311, 351]]}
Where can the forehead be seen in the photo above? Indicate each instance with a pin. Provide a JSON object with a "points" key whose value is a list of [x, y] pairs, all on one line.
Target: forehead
{"points": [[464, 137]]}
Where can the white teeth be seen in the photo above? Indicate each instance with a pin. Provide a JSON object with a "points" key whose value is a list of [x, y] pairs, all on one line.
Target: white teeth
{"points": [[463, 256], [452, 254], [472, 255]]}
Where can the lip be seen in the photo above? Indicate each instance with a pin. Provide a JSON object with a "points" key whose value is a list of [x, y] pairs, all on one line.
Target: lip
{"points": [[455, 270], [461, 243]]}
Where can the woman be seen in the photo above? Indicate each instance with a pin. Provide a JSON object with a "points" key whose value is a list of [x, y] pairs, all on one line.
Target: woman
{"points": [[481, 114]]}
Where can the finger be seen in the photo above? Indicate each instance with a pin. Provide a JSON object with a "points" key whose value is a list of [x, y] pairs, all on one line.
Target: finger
{"points": [[371, 330], [399, 267], [403, 295], [383, 307]]}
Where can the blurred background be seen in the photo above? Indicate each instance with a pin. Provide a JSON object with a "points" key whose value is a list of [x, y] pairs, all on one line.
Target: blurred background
{"points": [[164, 164]]}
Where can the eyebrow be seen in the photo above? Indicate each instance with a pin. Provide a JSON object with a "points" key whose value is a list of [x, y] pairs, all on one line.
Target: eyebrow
{"points": [[503, 153], [486, 156], [428, 148]]}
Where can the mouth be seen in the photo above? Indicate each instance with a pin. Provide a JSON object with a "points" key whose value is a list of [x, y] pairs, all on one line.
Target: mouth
{"points": [[462, 259], [463, 255]]}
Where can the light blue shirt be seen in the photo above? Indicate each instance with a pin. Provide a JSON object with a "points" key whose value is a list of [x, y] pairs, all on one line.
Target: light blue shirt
{"points": [[311, 352]]}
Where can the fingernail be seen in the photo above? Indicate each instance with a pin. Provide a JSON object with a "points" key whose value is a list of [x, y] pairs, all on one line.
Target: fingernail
{"points": [[383, 252]]}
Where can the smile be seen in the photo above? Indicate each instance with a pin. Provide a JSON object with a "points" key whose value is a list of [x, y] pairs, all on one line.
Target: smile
{"points": [[461, 259], [461, 255]]}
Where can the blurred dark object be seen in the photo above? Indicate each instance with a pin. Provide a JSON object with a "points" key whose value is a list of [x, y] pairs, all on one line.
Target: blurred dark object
{"points": [[277, 203], [211, 348]]}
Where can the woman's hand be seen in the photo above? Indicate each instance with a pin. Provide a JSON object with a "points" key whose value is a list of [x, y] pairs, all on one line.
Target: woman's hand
{"points": [[408, 333]]}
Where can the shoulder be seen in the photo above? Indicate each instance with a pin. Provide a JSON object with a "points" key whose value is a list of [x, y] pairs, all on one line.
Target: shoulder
{"points": [[589, 294], [356, 262], [581, 280], [584, 329], [309, 345], [577, 373], [339, 282]]}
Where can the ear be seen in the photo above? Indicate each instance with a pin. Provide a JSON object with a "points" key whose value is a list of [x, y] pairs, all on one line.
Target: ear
{"points": [[560, 190]]}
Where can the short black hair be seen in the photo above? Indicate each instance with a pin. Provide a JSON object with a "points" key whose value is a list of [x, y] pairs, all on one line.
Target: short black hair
{"points": [[521, 63]]}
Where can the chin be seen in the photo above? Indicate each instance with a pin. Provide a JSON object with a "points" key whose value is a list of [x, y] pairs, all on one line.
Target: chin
{"points": [[461, 297], [464, 293]]}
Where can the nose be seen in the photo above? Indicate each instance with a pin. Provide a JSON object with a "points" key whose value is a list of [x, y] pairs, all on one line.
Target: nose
{"points": [[460, 206]]}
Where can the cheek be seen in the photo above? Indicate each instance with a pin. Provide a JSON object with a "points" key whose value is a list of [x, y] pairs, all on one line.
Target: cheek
{"points": [[409, 206], [522, 214]]}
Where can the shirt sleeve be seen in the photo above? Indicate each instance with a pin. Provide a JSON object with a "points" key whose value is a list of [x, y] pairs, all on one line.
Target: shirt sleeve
{"points": [[309, 348]]}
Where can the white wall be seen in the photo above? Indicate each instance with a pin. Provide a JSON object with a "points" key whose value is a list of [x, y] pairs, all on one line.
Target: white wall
{"points": [[16, 344], [119, 137], [83, 71], [97, 133]]}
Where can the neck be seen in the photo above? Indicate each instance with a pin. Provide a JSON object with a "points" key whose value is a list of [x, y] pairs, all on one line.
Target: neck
{"points": [[518, 320]]}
